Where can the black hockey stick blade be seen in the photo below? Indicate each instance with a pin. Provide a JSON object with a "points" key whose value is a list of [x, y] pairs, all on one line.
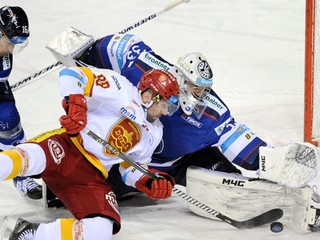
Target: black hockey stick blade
{"points": [[266, 217]]}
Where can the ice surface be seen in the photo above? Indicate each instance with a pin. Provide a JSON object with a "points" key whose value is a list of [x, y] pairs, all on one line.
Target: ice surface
{"points": [[256, 49]]}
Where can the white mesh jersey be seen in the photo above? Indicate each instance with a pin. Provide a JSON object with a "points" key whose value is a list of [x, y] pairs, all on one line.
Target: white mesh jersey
{"points": [[116, 115]]}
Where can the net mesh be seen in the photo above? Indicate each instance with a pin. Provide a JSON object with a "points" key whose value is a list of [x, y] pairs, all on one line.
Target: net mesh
{"points": [[301, 164]]}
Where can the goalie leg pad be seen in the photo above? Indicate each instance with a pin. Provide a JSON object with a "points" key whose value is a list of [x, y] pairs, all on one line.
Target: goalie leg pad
{"points": [[293, 165], [241, 198]]}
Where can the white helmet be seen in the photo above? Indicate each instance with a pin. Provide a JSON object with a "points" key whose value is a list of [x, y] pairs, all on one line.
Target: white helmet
{"points": [[197, 76]]}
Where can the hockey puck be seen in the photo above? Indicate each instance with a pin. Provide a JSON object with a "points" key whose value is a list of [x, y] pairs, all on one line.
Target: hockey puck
{"points": [[276, 227]]}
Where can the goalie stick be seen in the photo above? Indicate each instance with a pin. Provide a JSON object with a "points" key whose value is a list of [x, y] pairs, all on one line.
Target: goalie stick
{"points": [[58, 64], [264, 218]]}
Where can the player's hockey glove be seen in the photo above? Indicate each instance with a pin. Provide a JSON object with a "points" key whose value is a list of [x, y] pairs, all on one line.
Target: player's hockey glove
{"points": [[159, 188], [75, 106]]}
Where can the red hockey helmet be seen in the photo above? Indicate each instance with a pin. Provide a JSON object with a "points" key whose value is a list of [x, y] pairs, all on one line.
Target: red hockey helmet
{"points": [[161, 83], [164, 86]]}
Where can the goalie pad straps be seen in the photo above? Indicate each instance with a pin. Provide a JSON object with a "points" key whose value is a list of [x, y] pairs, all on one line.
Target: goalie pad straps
{"points": [[293, 165]]}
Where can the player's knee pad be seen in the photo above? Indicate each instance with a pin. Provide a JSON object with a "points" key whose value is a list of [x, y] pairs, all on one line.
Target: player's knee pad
{"points": [[11, 132], [242, 198]]}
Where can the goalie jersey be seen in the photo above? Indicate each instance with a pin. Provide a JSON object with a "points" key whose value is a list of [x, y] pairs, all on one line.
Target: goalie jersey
{"points": [[183, 134]]}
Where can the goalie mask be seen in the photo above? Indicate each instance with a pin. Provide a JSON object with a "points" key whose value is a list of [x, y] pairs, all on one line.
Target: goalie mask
{"points": [[195, 81], [14, 25]]}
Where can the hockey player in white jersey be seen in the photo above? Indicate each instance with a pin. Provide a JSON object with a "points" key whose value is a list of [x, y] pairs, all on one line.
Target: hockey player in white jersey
{"points": [[14, 33], [203, 123], [75, 166]]}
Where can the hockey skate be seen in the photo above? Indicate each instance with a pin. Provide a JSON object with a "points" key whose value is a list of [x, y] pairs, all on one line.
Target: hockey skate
{"points": [[314, 212], [24, 230], [315, 227], [28, 187], [13, 229]]}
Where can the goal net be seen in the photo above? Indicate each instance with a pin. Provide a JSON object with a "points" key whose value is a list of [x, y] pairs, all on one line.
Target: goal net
{"points": [[312, 73]]}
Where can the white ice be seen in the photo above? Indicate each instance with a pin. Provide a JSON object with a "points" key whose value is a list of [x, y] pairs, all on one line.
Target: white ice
{"points": [[255, 47]]}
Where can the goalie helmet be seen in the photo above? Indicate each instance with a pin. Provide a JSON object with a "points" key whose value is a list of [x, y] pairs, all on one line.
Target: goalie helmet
{"points": [[164, 86], [14, 25], [196, 79]]}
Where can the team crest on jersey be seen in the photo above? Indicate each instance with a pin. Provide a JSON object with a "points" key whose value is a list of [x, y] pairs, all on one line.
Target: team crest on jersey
{"points": [[111, 199], [219, 129], [124, 135], [56, 151], [101, 81]]}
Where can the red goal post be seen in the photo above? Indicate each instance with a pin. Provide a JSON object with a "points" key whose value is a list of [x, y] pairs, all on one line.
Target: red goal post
{"points": [[312, 73]]}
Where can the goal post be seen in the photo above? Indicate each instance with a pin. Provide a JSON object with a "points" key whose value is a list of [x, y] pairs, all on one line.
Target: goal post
{"points": [[312, 73]]}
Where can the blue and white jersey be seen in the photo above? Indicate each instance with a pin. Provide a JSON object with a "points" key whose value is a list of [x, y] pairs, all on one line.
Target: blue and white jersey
{"points": [[11, 132], [182, 134], [5, 67]]}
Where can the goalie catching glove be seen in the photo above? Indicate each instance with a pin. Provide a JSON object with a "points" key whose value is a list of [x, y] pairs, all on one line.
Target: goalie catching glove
{"points": [[158, 188], [293, 165], [75, 106]]}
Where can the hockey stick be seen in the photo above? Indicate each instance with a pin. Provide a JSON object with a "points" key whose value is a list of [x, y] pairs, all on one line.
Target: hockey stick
{"points": [[36, 76], [58, 65], [267, 217], [154, 15]]}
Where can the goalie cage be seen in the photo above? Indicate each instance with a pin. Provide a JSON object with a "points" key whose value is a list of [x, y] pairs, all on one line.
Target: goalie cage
{"points": [[312, 73]]}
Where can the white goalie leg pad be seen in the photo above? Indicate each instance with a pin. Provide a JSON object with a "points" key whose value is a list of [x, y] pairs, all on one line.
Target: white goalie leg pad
{"points": [[69, 44], [293, 165], [241, 198]]}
